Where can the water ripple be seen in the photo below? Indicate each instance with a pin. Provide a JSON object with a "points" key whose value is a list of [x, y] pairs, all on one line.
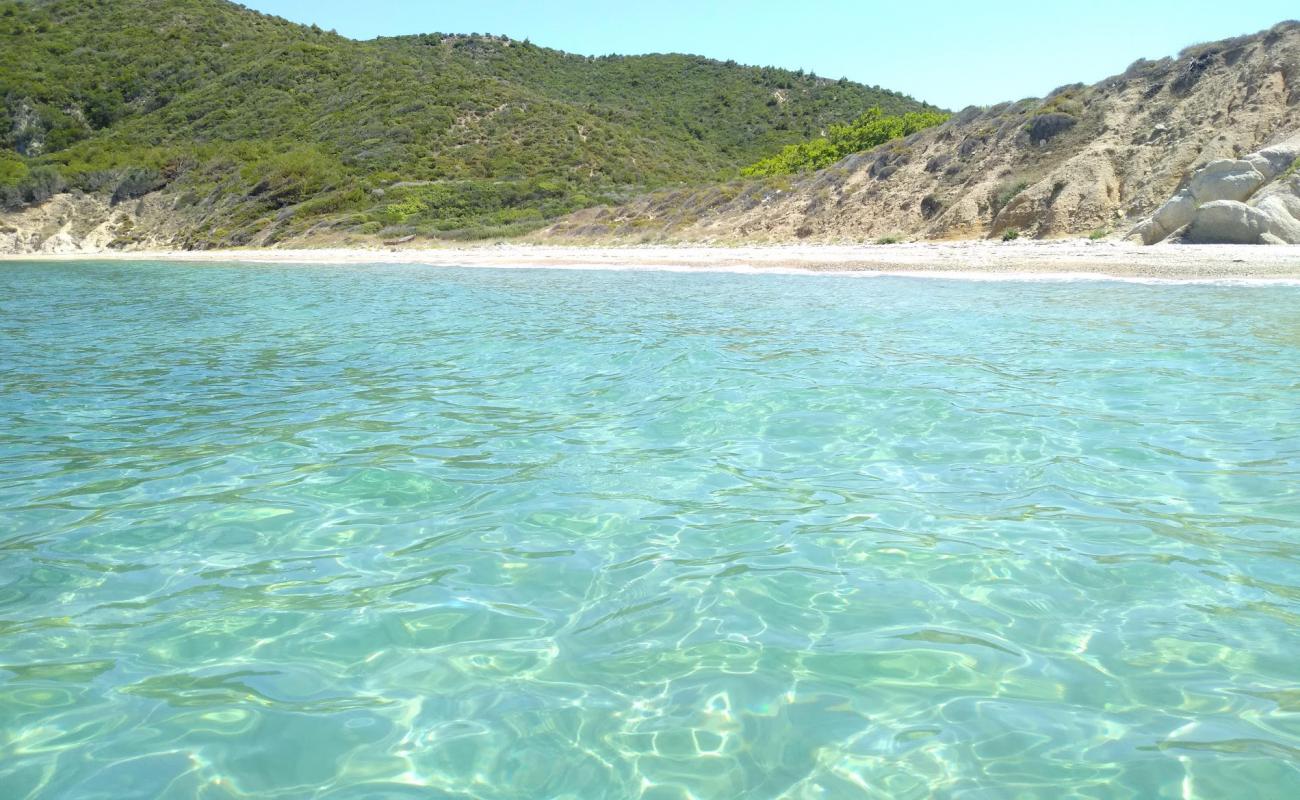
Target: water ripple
{"points": [[340, 532]]}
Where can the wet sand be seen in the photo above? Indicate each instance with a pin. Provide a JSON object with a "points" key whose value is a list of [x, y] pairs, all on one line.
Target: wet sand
{"points": [[1066, 259]]}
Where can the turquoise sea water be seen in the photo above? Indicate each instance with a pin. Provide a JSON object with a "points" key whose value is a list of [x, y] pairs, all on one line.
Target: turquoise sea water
{"points": [[401, 532]]}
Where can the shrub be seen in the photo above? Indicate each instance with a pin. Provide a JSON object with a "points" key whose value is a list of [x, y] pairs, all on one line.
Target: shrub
{"points": [[888, 240], [1100, 233], [12, 169], [1010, 235], [335, 202], [137, 182], [41, 184], [401, 211], [295, 174], [1006, 193], [1046, 126], [13, 173], [872, 129]]}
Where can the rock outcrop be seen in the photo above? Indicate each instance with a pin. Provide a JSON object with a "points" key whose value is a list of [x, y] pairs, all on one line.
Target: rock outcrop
{"points": [[1084, 160], [81, 223], [1253, 200]]}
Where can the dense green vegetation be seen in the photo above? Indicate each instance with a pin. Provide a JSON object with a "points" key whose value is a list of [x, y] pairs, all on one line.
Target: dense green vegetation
{"points": [[872, 129], [258, 123]]}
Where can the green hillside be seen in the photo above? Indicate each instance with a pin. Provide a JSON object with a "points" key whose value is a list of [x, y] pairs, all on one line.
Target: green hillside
{"points": [[260, 123]]}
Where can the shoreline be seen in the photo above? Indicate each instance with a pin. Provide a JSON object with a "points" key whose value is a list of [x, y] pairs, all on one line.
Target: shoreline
{"points": [[979, 260]]}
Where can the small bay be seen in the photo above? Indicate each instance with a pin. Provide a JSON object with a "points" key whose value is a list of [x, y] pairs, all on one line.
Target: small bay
{"points": [[392, 531]]}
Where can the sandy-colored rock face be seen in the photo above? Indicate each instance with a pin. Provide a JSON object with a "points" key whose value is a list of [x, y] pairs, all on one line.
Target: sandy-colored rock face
{"points": [[1137, 139], [78, 223]]}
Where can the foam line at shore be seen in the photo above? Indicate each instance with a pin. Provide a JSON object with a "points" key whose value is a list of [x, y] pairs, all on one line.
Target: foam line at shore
{"points": [[979, 261], [955, 275]]}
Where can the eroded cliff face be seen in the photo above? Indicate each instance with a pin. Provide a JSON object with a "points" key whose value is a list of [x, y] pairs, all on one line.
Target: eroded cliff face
{"points": [[1084, 160], [78, 223], [82, 223]]}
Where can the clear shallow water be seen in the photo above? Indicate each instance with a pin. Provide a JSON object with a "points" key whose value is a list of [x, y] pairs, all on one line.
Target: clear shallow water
{"points": [[344, 532]]}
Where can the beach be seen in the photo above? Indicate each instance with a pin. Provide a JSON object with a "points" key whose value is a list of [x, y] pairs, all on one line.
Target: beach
{"points": [[648, 402], [966, 259]]}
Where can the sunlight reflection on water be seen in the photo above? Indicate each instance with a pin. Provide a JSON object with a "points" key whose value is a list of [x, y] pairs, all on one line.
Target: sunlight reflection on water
{"points": [[391, 531]]}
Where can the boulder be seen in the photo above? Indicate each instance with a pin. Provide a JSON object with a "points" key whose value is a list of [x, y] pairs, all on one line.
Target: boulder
{"points": [[1226, 180], [1252, 200], [1262, 165], [1227, 222], [1276, 159], [1174, 214], [1285, 192], [1281, 211], [1143, 233]]}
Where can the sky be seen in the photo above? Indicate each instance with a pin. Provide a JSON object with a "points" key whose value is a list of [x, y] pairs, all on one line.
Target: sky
{"points": [[952, 54]]}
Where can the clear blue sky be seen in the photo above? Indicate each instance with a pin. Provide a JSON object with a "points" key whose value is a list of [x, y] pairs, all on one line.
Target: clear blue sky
{"points": [[952, 54]]}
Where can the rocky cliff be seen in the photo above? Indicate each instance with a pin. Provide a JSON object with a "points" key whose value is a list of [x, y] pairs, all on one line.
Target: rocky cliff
{"points": [[1085, 160], [1194, 148]]}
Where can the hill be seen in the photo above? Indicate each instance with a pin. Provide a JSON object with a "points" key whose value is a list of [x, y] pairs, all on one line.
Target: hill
{"points": [[1086, 160], [260, 129]]}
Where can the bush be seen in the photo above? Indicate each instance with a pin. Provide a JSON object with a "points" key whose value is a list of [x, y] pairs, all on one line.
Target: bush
{"points": [[872, 129], [293, 175], [137, 182], [888, 240], [1010, 235], [41, 184], [1046, 126], [13, 173], [93, 182], [1100, 233], [248, 115], [1006, 193], [245, 115], [335, 202], [12, 169], [11, 197]]}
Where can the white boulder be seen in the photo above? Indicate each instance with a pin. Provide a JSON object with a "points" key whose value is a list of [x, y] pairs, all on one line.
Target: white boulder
{"points": [[1227, 222], [1282, 212], [1174, 214], [1226, 180], [1253, 200], [1276, 159]]}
